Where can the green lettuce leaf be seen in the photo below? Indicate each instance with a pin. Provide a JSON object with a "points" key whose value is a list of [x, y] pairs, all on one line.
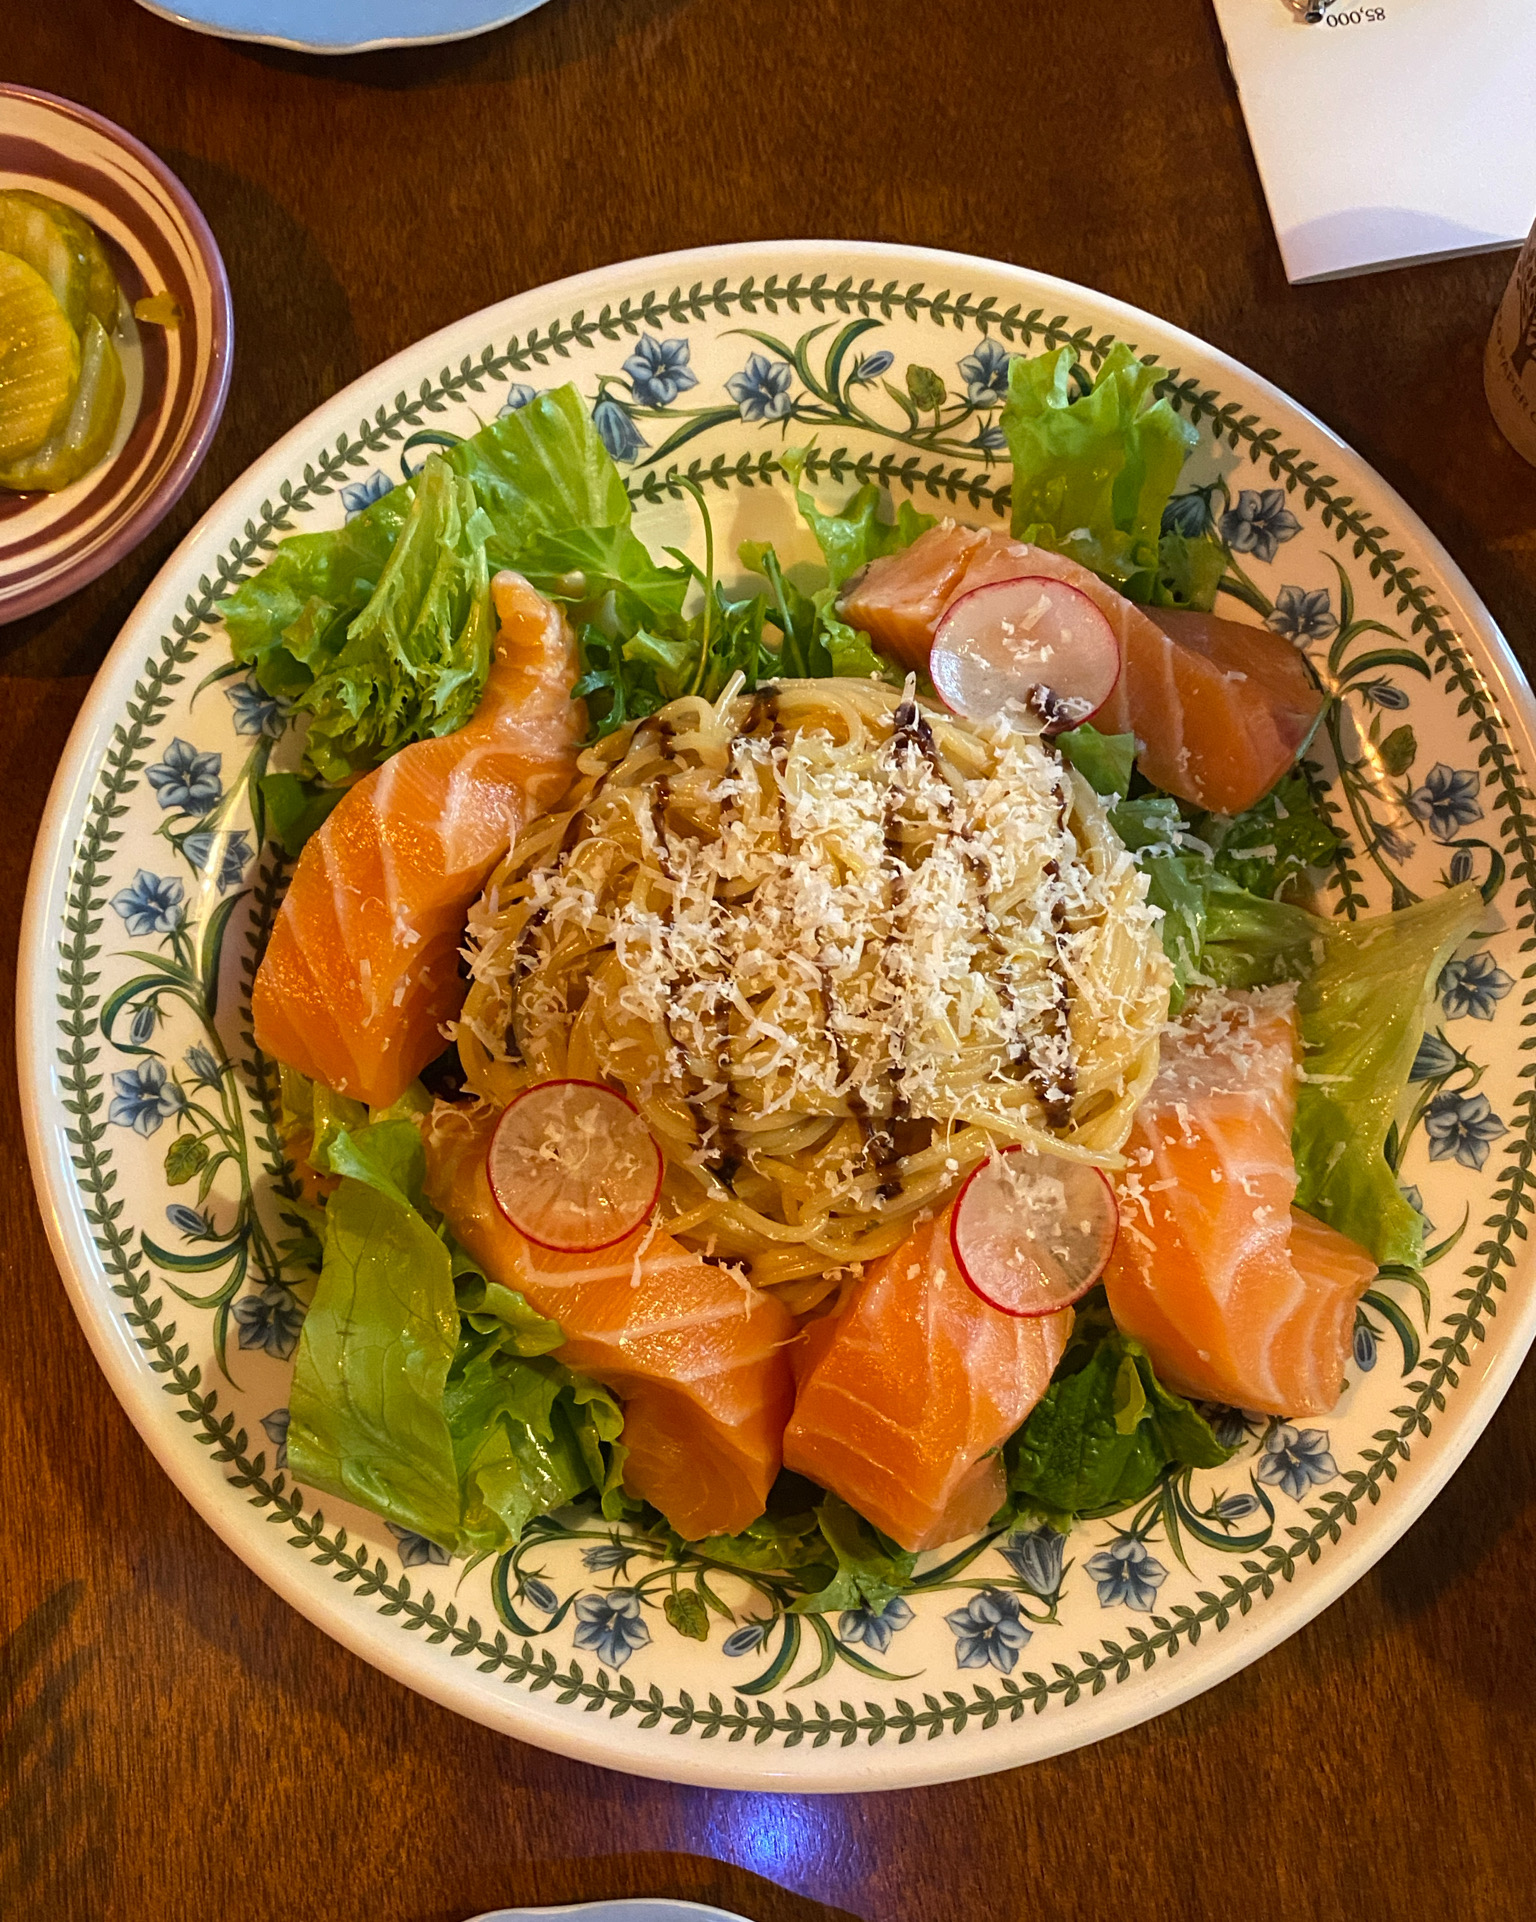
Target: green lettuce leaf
{"points": [[294, 807], [1104, 760], [1092, 472], [1363, 1011], [366, 1404], [1189, 571], [290, 619], [1271, 847], [381, 629], [542, 469], [1106, 1428], [870, 1569], [414, 661], [421, 1389], [860, 533]]}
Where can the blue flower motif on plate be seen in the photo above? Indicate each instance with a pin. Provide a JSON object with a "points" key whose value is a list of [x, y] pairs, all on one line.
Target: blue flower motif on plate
{"points": [[219, 857], [606, 1556], [871, 368], [1435, 1059], [540, 1594], [256, 712], [1461, 866], [1035, 1557], [617, 430], [742, 1641], [611, 1625], [151, 905], [1235, 1508], [1463, 1126], [205, 1067], [1364, 1343], [276, 1427], [518, 397], [1396, 846], [192, 1222], [1258, 523], [417, 1551], [761, 389], [985, 373], [145, 1097], [988, 1631], [1296, 1459], [143, 1024], [1302, 616], [1188, 514], [1447, 800], [991, 440], [658, 371], [187, 780], [1384, 693], [270, 1321], [1474, 986], [357, 495], [1127, 1572], [874, 1627], [1231, 1426]]}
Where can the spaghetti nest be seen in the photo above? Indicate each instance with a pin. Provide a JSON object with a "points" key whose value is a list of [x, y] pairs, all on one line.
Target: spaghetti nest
{"points": [[834, 947]]}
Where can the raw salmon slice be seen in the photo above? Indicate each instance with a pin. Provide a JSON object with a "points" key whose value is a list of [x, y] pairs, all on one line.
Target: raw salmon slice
{"points": [[911, 1390], [362, 968], [1238, 1296], [1221, 708], [699, 1357]]}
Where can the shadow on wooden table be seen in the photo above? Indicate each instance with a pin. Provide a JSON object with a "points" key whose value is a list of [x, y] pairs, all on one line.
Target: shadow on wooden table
{"points": [[58, 1814], [685, 1878]]}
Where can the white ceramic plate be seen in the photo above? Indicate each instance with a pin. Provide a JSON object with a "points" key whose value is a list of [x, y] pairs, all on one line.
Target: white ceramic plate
{"points": [[710, 362], [343, 26]]}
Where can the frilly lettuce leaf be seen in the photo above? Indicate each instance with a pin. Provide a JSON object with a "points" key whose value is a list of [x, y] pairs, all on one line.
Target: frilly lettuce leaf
{"points": [[1092, 472], [860, 533]]}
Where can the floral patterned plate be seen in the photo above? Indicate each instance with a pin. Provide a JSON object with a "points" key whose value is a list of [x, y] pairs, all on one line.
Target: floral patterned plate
{"points": [[151, 1113]]}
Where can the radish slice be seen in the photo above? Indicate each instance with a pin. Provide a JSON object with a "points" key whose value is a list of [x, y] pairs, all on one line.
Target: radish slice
{"points": [[573, 1167], [1035, 650], [1033, 1232]]}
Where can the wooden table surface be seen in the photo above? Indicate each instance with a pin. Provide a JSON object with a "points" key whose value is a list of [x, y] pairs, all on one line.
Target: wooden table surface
{"points": [[174, 1740]]}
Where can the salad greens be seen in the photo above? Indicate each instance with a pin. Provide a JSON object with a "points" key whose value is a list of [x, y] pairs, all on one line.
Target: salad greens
{"points": [[1106, 1428], [1093, 471], [422, 1389], [428, 1390]]}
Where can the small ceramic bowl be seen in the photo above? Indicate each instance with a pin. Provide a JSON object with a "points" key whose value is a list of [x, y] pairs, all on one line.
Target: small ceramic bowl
{"points": [[178, 377]]}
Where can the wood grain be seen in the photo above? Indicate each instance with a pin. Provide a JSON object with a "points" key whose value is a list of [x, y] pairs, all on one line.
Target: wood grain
{"points": [[174, 1741]]}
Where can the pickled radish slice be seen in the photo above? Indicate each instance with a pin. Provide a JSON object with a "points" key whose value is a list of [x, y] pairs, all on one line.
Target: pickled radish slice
{"points": [[1033, 1232], [1035, 650], [573, 1166]]}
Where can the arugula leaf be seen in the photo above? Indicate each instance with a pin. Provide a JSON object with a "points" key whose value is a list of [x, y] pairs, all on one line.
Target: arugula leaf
{"points": [[859, 534], [1275, 842], [1104, 760], [1092, 472], [1106, 1428]]}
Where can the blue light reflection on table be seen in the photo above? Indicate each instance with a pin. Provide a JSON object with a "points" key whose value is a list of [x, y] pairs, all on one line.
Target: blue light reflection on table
{"points": [[803, 1842]]}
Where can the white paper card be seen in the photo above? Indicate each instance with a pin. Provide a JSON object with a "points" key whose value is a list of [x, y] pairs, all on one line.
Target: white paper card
{"points": [[1389, 132]]}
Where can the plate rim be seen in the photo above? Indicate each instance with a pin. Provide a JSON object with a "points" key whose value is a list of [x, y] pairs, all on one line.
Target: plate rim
{"points": [[208, 410], [338, 49], [363, 1633]]}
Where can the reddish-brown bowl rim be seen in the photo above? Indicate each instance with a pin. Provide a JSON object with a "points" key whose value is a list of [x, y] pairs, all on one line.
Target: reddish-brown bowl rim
{"points": [[208, 407]]}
